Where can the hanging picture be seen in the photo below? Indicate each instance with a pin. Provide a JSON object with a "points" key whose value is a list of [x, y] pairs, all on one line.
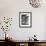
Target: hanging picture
{"points": [[25, 19]]}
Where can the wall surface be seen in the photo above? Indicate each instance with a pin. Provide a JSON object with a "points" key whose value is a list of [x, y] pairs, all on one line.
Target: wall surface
{"points": [[11, 8]]}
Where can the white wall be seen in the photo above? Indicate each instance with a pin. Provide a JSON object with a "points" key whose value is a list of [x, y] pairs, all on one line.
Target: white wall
{"points": [[11, 8]]}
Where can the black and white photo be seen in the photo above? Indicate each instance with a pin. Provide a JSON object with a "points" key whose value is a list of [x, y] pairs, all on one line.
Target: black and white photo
{"points": [[25, 19]]}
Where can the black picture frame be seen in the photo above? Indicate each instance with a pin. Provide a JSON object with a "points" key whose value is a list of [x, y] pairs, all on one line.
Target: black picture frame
{"points": [[25, 19]]}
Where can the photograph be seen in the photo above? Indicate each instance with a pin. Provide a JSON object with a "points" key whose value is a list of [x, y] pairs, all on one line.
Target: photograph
{"points": [[25, 19]]}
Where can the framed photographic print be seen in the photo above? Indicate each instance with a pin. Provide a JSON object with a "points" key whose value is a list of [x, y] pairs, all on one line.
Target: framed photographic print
{"points": [[25, 19]]}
